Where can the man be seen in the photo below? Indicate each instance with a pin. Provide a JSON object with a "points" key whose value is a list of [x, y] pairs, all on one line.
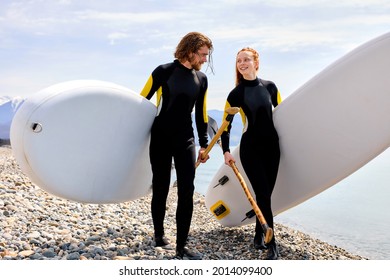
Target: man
{"points": [[180, 87]]}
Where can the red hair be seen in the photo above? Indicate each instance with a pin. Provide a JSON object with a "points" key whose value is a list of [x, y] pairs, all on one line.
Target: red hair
{"points": [[256, 58]]}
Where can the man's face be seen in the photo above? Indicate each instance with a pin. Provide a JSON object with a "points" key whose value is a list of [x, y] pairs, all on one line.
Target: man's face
{"points": [[200, 57]]}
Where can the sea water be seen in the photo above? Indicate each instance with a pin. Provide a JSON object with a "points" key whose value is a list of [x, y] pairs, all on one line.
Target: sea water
{"points": [[354, 214]]}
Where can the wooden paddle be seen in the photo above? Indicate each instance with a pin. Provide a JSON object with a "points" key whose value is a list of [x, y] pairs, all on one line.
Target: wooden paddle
{"points": [[231, 112], [267, 230]]}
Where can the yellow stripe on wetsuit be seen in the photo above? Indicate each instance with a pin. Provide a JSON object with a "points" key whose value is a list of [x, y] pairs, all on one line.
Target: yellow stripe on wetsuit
{"points": [[243, 116], [147, 88]]}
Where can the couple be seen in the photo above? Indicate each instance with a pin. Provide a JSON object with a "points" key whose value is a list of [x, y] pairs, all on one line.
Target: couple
{"points": [[181, 87]]}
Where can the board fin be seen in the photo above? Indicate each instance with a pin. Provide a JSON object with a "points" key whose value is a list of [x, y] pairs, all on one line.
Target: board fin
{"points": [[222, 181], [248, 215]]}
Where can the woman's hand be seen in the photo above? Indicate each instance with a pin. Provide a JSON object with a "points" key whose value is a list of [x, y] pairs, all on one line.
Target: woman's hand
{"points": [[228, 158]]}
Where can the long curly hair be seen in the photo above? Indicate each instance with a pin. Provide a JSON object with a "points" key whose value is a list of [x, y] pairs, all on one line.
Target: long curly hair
{"points": [[191, 43]]}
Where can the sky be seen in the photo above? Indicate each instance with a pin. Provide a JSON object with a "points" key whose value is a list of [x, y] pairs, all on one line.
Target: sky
{"points": [[43, 42]]}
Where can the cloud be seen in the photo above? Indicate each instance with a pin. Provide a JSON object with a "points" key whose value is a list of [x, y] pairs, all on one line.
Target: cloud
{"points": [[281, 24], [115, 36], [328, 3], [123, 18], [124, 41]]}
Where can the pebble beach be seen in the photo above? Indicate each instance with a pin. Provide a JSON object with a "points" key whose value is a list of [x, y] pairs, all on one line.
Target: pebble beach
{"points": [[35, 225]]}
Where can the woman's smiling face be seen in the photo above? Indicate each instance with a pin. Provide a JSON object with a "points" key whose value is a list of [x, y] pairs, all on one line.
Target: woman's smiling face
{"points": [[246, 65]]}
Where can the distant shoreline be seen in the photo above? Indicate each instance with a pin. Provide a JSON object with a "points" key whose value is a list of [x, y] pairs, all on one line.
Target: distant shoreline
{"points": [[5, 142]]}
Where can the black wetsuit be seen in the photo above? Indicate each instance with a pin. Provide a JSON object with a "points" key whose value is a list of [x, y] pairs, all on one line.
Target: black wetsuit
{"points": [[259, 146], [178, 89]]}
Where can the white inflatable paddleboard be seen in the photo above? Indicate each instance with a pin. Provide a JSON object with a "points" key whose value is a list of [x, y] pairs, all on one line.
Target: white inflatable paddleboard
{"points": [[329, 128], [86, 141]]}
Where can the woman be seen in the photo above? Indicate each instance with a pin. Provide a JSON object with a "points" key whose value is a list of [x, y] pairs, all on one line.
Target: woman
{"points": [[259, 145]]}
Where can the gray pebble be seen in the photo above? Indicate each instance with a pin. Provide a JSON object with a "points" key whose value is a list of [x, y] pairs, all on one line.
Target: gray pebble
{"points": [[36, 225]]}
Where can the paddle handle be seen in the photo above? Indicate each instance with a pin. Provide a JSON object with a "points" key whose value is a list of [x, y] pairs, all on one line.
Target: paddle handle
{"points": [[213, 141], [231, 112], [267, 230]]}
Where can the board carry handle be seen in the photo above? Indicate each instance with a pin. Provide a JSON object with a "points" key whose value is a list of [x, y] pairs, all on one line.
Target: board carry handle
{"points": [[267, 230], [231, 111]]}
